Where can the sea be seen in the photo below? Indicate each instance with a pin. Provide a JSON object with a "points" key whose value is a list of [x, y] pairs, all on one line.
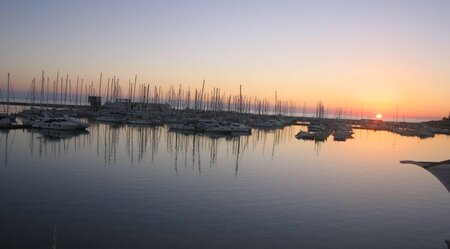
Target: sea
{"points": [[124, 186]]}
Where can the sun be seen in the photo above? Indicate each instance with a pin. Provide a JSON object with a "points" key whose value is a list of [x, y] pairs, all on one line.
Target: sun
{"points": [[379, 116]]}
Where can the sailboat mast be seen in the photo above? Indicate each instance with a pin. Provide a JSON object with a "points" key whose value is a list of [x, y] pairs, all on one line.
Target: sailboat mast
{"points": [[56, 88], [34, 91], [107, 91], [276, 103], [54, 92], [42, 89], [100, 86], [61, 90], [70, 92], [81, 92], [7, 96], [48, 90], [201, 96], [134, 88], [76, 91], [65, 90]]}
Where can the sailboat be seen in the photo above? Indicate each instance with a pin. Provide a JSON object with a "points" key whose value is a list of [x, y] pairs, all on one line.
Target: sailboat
{"points": [[316, 125], [6, 119]]}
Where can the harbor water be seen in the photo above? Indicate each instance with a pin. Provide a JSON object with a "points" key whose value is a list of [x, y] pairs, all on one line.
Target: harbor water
{"points": [[147, 187]]}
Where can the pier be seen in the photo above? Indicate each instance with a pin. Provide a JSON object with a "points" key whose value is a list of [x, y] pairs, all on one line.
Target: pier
{"points": [[168, 114], [20, 103], [323, 135], [15, 127]]}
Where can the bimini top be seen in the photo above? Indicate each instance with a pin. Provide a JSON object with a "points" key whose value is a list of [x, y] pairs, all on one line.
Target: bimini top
{"points": [[441, 170]]}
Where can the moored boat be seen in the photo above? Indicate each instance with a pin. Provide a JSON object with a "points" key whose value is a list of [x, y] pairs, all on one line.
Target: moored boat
{"points": [[239, 127], [5, 122], [182, 126], [57, 124], [342, 132], [305, 135], [340, 135], [218, 128], [138, 121], [316, 127], [111, 119]]}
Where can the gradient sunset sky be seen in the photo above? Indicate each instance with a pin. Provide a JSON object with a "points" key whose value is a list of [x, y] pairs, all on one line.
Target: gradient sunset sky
{"points": [[371, 55]]}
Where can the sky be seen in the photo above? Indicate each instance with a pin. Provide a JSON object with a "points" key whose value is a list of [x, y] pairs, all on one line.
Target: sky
{"points": [[377, 56]]}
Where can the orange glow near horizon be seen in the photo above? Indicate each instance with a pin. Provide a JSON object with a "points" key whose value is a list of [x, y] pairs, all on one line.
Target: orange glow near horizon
{"points": [[364, 101]]}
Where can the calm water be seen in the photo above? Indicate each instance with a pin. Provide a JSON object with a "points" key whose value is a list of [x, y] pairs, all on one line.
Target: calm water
{"points": [[135, 187]]}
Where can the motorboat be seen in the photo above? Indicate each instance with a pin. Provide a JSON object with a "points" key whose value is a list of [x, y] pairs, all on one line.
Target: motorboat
{"points": [[11, 117], [218, 128], [111, 118], [5, 122], [340, 135], [239, 127], [305, 135], [55, 123], [182, 126], [425, 132], [139, 121], [28, 120], [316, 127], [61, 134], [203, 124], [81, 124], [421, 132], [268, 124]]}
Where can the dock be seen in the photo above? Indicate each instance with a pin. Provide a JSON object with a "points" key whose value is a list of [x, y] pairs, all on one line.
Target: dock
{"points": [[15, 127], [19, 103], [323, 135]]}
